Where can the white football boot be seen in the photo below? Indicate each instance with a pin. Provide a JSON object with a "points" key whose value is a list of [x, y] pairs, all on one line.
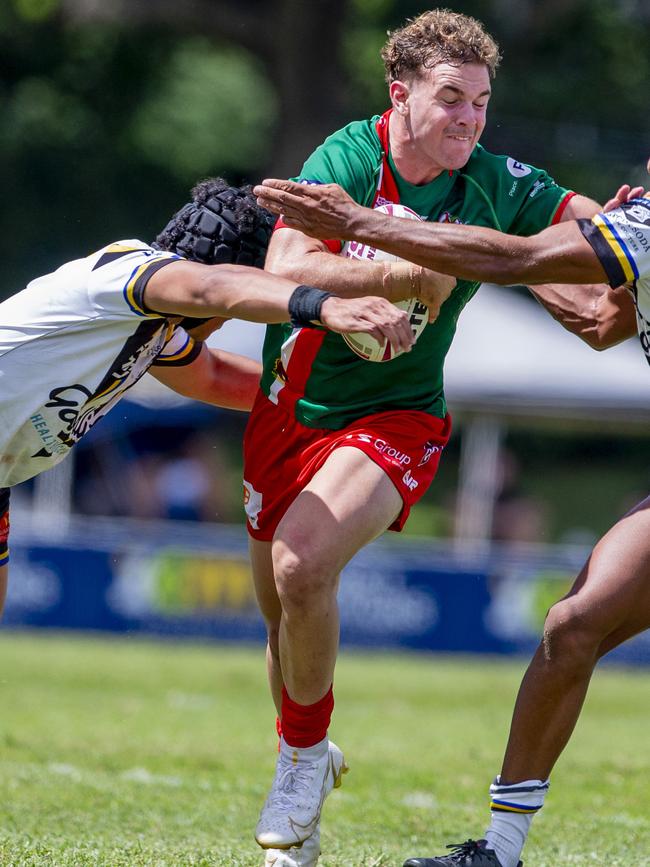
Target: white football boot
{"points": [[305, 855], [303, 779]]}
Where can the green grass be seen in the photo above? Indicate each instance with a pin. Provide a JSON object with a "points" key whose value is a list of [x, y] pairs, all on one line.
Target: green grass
{"points": [[139, 753]]}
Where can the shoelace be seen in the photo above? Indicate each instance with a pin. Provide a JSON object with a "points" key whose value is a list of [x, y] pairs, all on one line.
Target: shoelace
{"points": [[291, 782], [460, 851]]}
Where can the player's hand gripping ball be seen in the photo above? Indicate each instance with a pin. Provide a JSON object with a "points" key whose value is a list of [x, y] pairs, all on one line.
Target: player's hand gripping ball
{"points": [[364, 345]]}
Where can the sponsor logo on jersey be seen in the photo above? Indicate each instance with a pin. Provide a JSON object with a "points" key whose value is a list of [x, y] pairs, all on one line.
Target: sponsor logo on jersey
{"points": [[310, 182], [252, 504], [409, 481], [78, 408], [517, 169], [383, 447], [537, 186], [278, 370], [429, 451], [639, 211], [630, 227], [68, 400], [448, 217]]}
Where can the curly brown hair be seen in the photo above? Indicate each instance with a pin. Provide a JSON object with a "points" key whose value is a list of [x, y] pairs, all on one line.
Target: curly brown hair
{"points": [[438, 36]]}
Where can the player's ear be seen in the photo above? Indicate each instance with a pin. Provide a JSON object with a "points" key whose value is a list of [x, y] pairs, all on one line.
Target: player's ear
{"points": [[399, 95]]}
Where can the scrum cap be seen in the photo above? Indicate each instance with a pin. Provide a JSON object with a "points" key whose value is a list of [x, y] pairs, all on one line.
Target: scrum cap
{"points": [[221, 225]]}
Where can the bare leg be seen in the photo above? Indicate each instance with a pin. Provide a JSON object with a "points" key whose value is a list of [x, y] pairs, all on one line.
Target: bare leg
{"points": [[4, 580], [609, 603], [349, 502], [267, 598]]}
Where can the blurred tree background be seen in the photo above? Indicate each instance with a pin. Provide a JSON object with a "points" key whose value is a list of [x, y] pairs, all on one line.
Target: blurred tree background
{"points": [[113, 108]]}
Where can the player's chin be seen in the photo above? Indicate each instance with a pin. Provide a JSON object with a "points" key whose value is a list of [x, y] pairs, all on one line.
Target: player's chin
{"points": [[458, 151]]}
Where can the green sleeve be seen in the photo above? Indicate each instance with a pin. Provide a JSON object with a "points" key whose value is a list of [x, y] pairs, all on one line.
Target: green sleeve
{"points": [[525, 198], [541, 198]]}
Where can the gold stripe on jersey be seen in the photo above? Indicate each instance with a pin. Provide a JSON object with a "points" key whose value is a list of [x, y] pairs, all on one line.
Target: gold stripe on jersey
{"points": [[112, 387], [122, 248], [134, 290], [185, 350], [616, 246], [114, 251], [188, 353]]}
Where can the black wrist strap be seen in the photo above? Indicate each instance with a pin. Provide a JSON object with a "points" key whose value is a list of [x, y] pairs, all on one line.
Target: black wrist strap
{"points": [[305, 306]]}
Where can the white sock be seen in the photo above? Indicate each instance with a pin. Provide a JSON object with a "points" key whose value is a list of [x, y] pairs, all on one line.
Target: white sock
{"points": [[513, 808], [304, 754]]}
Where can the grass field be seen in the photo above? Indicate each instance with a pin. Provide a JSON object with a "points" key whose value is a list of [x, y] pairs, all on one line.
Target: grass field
{"points": [[139, 753]]}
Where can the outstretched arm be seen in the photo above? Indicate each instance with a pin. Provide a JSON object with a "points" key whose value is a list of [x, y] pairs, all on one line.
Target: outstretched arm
{"points": [[560, 253], [217, 377], [185, 288]]}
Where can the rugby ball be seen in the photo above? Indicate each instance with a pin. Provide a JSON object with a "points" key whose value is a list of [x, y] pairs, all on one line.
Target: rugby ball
{"points": [[366, 346]]}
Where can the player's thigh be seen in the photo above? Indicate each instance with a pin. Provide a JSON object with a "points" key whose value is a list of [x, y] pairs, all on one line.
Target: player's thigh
{"points": [[4, 580], [612, 592], [348, 503], [264, 581]]}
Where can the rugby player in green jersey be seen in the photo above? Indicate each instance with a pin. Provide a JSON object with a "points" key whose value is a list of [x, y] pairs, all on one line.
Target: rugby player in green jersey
{"points": [[610, 599], [338, 449]]}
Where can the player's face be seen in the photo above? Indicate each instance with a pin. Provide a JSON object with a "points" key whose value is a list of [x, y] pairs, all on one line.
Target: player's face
{"points": [[446, 112]]}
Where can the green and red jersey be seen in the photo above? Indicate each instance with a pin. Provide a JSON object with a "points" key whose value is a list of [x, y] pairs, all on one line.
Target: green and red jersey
{"points": [[312, 372]]}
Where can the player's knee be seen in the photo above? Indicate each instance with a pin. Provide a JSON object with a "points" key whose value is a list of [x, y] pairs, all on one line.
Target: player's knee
{"points": [[301, 574], [571, 640]]}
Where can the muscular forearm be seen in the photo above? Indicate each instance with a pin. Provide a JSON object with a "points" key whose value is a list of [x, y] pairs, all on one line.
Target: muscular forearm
{"points": [[297, 257], [560, 254], [228, 291], [217, 377], [600, 316], [347, 277], [475, 253]]}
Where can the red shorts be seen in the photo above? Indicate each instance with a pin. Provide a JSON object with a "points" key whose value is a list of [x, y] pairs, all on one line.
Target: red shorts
{"points": [[281, 456]]}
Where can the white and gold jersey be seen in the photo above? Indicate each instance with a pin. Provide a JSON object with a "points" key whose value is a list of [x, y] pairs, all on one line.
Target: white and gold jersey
{"points": [[71, 343], [621, 240]]}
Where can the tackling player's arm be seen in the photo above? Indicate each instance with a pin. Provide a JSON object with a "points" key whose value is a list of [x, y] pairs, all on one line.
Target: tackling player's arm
{"points": [[236, 291], [598, 315], [469, 252], [217, 377]]}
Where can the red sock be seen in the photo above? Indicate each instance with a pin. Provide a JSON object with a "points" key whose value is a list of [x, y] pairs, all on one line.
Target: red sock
{"points": [[304, 725]]}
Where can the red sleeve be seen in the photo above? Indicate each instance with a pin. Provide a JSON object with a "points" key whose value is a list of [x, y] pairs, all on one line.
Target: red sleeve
{"points": [[557, 216]]}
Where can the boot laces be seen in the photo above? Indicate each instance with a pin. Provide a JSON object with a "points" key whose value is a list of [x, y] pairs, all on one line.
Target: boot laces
{"points": [[460, 851], [293, 785]]}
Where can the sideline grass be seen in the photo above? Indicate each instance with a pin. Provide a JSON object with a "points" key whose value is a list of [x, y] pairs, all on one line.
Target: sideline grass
{"points": [[135, 753]]}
